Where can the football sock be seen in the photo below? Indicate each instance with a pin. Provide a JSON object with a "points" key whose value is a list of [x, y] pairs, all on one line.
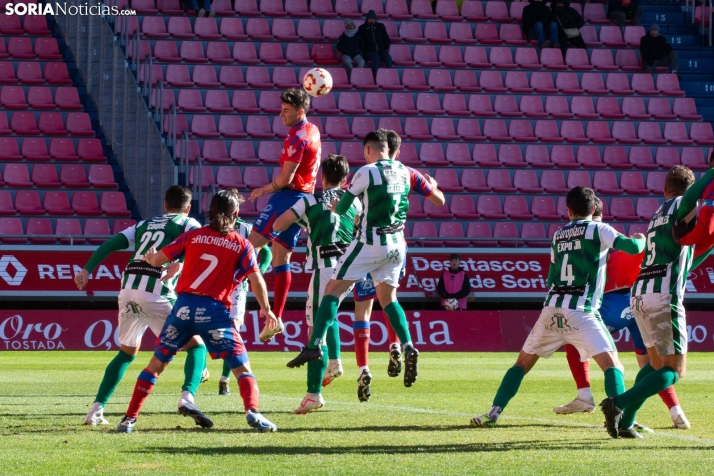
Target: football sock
{"points": [[509, 387], [361, 343], [634, 398], [112, 376], [323, 319], [283, 277], [580, 370], [315, 373], [226, 373], [265, 256], [186, 396], [614, 382], [585, 393], [398, 319], [144, 385], [391, 335], [669, 397], [333, 340], [630, 411], [248, 391], [193, 368]]}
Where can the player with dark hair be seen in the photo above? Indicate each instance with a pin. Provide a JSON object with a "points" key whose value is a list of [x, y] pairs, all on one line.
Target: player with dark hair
{"points": [[570, 315], [146, 298], [383, 186], [299, 162], [656, 301], [622, 272], [328, 238], [217, 259]]}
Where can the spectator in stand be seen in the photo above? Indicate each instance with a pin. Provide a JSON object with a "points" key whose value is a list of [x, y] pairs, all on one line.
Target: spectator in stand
{"points": [[376, 42], [621, 10], [350, 44], [205, 11], [655, 51], [537, 17], [569, 24], [454, 284]]}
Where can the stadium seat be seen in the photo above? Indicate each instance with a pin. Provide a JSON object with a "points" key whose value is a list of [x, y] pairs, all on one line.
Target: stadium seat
{"points": [[465, 81], [650, 133], [623, 209], [563, 157], [686, 109], [96, 226], [643, 84], [599, 132], [668, 84], [480, 105], [641, 158], [480, 230], [633, 34], [11, 226], [489, 207], [455, 105], [13, 97], [485, 155], [440, 80], [547, 131], [475, 56], [53, 73], [544, 208], [45, 176], [491, 81], [437, 212], [500, 181], [509, 231], [89, 150], [667, 157], [655, 182], [452, 230], [362, 79], [516, 207], [473, 180], [472, 11], [27, 202], [413, 80], [566, 83], [512, 35], [511, 156], [269, 53], [497, 11], [577, 59], [583, 108], [101, 176], [506, 106], [526, 181], [243, 152], [435, 32], [337, 128], [426, 230], [517, 82], [502, 58], [609, 107], [443, 129], [605, 182], [412, 32], [23, 123], [692, 157], [527, 58], [634, 108], [114, 204], [20, 48], [676, 133], [701, 133], [41, 226], [624, 132], [450, 57], [6, 205], [646, 207], [536, 232], [552, 58], [495, 130], [402, 55], [484, 33], [447, 178], [532, 106], [9, 149], [538, 156], [457, 153], [556, 106], [602, 60], [589, 157], [521, 131], [615, 157], [612, 37], [17, 176], [415, 208], [578, 178], [397, 10], [592, 83], [416, 128], [553, 181], [469, 130]]}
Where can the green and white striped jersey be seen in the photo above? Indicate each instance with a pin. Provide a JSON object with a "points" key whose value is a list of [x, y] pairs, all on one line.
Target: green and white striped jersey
{"points": [[666, 264], [156, 232], [328, 234], [383, 188], [578, 260], [244, 229]]}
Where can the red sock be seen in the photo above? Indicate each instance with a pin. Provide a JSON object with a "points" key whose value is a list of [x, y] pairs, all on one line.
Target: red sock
{"points": [[144, 385], [580, 370], [669, 397], [361, 343], [249, 391], [283, 278], [391, 335]]}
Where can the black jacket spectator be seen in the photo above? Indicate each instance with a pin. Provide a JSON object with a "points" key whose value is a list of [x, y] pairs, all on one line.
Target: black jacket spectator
{"points": [[353, 46], [567, 17], [616, 5], [619, 11], [654, 48], [374, 35], [535, 12]]}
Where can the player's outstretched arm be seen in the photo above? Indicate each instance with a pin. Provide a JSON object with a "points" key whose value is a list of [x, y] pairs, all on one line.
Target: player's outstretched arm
{"points": [[342, 205], [285, 179], [117, 242], [632, 246], [437, 196], [260, 291], [156, 258], [693, 194]]}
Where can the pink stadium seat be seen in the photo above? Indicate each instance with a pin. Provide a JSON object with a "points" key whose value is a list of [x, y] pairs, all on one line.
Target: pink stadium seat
{"points": [[17, 175], [101, 176], [527, 58], [89, 150], [435, 212], [180, 27], [511, 156], [512, 35], [480, 105], [583, 108], [73, 176], [521, 131], [641, 158], [667, 84], [435, 32], [655, 182], [54, 73], [646, 207], [577, 59], [592, 83], [492, 82], [13, 97], [45, 176], [388, 79], [497, 11], [552, 58], [402, 55], [534, 231], [457, 153], [397, 10], [495, 130], [634, 108], [452, 230], [272, 8], [516, 207], [7, 73], [9, 149], [20, 48], [412, 32], [426, 230], [594, 13], [425, 55], [258, 29], [553, 181], [307, 30], [432, 155], [633, 34], [489, 207], [532, 106], [41, 226], [599, 132], [650, 133], [415, 208], [701, 133], [623, 209], [692, 157], [578, 178], [547, 131], [422, 9], [480, 230], [612, 37], [27, 202], [473, 180], [297, 8], [667, 157], [455, 105], [178, 76], [485, 155], [269, 152], [601, 59], [269, 53], [416, 128], [676, 133], [627, 60], [154, 27], [66, 99], [609, 108], [502, 58], [508, 231], [475, 56], [615, 157], [500, 181], [23, 123], [362, 79], [589, 157], [517, 82], [643, 84], [506, 106], [563, 157], [36, 25], [96, 226], [413, 80], [448, 180], [485, 33], [567, 83], [472, 11], [686, 109], [465, 81], [526, 181], [85, 204], [443, 129], [11, 226], [624, 132], [633, 184], [347, 9], [470, 130], [605, 182], [558, 107], [450, 56]]}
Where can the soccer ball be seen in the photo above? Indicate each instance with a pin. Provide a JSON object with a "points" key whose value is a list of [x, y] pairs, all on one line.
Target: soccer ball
{"points": [[317, 82], [451, 304]]}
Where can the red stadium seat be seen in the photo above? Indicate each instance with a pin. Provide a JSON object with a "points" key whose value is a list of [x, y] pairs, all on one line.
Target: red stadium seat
{"points": [[612, 37], [538, 156], [701, 133], [655, 182], [646, 207], [416, 128], [535, 231], [668, 84], [544, 208], [413, 80], [589, 157], [480, 230], [495, 130], [437, 212], [472, 11], [54, 73], [602, 60], [475, 56], [568, 83], [11, 226], [497, 11], [435, 32], [397, 10], [447, 178], [667, 157], [521, 131], [547, 131], [517, 82], [500, 181], [609, 108], [558, 107], [347, 9], [552, 58], [485, 33], [457, 153], [543, 83], [41, 226], [577, 59], [6, 205], [73, 176], [71, 227], [23, 123], [615, 157], [583, 108], [415, 208], [45, 176], [450, 56], [462, 207], [492, 82], [686, 109], [623, 209], [443, 129], [516, 207], [101, 176], [624, 132], [506, 230], [526, 181], [532, 106], [506, 106], [633, 34], [676, 133], [465, 81], [527, 58], [452, 230], [563, 157], [40, 97], [180, 27], [412, 32], [511, 156], [692, 157], [473, 180], [512, 35], [17, 175], [258, 29], [641, 158], [643, 84], [605, 182], [96, 226], [599, 132], [89, 150], [650, 133], [469, 129], [578, 178], [553, 181], [592, 83], [489, 207], [9, 150], [27, 202], [502, 58]]}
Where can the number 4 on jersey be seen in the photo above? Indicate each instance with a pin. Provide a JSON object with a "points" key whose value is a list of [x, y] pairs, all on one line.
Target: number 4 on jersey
{"points": [[566, 271]]}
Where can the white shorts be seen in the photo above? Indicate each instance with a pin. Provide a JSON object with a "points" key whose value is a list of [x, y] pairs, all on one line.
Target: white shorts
{"points": [[662, 322], [238, 301], [139, 310], [384, 263], [557, 326], [318, 282]]}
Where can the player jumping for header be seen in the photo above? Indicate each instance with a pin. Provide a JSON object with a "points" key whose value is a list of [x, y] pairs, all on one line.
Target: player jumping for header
{"points": [[299, 162], [570, 316]]}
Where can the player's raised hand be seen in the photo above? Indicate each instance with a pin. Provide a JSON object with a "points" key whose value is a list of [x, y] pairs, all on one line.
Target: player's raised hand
{"points": [[430, 180], [172, 270], [255, 194], [150, 253], [81, 279], [333, 205]]}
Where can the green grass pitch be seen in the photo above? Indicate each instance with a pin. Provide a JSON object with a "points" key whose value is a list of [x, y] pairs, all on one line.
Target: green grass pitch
{"points": [[421, 430]]}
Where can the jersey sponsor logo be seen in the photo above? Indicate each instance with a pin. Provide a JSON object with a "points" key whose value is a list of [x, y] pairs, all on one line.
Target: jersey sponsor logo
{"points": [[571, 233], [291, 151], [637, 303], [142, 268], [332, 251], [133, 307], [20, 336], [396, 188], [571, 290], [564, 246], [627, 314], [391, 229], [11, 270], [662, 220], [653, 271], [171, 332], [200, 315], [184, 313], [559, 324]]}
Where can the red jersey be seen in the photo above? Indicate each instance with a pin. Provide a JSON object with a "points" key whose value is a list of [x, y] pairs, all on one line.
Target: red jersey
{"points": [[302, 145], [213, 264], [622, 270]]}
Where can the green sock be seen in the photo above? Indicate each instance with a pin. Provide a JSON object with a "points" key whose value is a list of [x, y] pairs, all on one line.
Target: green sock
{"points": [[650, 385], [614, 382], [264, 258], [316, 372], [333, 340], [112, 376], [226, 370], [324, 318], [630, 412], [398, 320], [193, 368], [509, 386]]}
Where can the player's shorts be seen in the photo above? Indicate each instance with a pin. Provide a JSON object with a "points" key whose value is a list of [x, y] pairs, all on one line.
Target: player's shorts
{"points": [[139, 310], [205, 317], [278, 204], [616, 315], [662, 322], [316, 290], [384, 263], [364, 290], [239, 299], [557, 326]]}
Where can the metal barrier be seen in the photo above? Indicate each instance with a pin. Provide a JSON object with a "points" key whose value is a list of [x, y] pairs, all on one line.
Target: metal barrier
{"points": [[124, 117]]}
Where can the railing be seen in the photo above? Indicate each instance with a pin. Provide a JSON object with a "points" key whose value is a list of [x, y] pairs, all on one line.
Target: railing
{"points": [[71, 238], [124, 117]]}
